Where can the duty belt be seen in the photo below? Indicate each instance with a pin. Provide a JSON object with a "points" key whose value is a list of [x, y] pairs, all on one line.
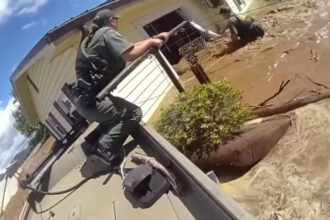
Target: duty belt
{"points": [[85, 93]]}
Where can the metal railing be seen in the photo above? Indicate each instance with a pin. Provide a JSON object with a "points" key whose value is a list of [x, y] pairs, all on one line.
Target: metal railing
{"points": [[145, 85], [161, 59]]}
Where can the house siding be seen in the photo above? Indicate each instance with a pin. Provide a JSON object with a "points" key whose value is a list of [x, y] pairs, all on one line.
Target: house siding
{"points": [[50, 76], [136, 16]]}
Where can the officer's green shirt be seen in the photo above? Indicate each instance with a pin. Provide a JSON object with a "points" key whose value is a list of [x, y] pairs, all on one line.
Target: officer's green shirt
{"points": [[108, 44], [238, 26]]}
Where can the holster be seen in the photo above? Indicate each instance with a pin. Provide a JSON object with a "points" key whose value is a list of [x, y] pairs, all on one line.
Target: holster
{"points": [[84, 94]]}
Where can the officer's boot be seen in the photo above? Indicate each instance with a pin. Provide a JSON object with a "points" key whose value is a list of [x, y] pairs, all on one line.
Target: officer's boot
{"points": [[107, 156]]}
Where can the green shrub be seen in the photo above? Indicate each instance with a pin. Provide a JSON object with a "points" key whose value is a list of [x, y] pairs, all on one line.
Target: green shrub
{"points": [[199, 121]]}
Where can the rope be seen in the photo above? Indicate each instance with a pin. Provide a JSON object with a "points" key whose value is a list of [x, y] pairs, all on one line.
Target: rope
{"points": [[75, 187]]}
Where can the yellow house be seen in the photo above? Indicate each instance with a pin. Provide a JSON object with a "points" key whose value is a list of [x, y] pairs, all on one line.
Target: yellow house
{"points": [[38, 80]]}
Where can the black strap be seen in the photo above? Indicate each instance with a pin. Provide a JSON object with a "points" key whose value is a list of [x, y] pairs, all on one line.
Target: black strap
{"points": [[84, 46]]}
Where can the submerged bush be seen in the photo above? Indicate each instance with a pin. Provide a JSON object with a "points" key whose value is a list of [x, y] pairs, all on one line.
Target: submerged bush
{"points": [[199, 121]]}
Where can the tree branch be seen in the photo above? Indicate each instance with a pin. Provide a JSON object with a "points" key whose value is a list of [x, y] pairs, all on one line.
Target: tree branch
{"points": [[282, 86], [257, 113], [317, 83]]}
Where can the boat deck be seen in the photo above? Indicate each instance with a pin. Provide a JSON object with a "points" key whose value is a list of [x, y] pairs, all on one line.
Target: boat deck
{"points": [[103, 197]]}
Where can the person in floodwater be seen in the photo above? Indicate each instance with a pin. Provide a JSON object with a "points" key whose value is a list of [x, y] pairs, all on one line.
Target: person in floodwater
{"points": [[101, 56], [243, 30]]}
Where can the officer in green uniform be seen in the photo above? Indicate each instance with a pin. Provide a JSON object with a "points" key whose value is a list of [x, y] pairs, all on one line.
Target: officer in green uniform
{"points": [[240, 29], [101, 56]]}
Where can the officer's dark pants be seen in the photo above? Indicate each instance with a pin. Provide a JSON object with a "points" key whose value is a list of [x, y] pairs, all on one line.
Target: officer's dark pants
{"points": [[121, 116]]}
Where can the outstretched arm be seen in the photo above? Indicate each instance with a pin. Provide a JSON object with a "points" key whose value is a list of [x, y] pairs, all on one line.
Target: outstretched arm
{"points": [[141, 47]]}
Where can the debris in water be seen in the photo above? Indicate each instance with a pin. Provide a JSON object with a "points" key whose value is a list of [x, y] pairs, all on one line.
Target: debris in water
{"points": [[314, 55]]}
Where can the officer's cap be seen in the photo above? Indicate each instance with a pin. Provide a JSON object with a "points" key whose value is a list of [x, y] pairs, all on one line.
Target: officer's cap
{"points": [[103, 15]]}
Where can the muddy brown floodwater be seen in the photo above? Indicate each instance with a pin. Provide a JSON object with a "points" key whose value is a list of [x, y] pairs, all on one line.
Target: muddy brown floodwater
{"points": [[293, 180], [296, 48]]}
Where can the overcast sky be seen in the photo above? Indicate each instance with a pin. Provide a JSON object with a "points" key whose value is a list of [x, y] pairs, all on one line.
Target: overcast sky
{"points": [[11, 142], [22, 25]]}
